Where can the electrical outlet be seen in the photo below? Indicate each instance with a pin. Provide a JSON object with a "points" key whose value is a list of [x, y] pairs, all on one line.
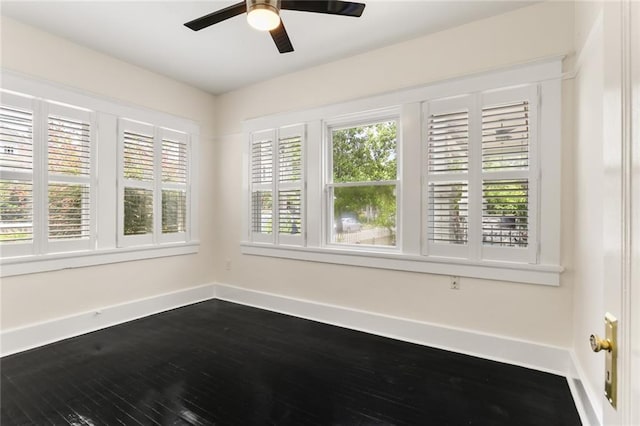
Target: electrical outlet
{"points": [[227, 264], [455, 283]]}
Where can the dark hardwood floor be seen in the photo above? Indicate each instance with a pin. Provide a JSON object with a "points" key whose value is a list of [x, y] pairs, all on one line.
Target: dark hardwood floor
{"points": [[221, 363]]}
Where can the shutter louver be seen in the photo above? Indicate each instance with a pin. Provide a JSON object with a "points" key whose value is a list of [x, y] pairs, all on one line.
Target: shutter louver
{"points": [[174, 161], [289, 184], [448, 146], [261, 162], [290, 160], [16, 165], [174, 211], [174, 185], [289, 211], [505, 137], [138, 208], [68, 211], [16, 132], [69, 147], [69, 160], [16, 203], [505, 212], [138, 156], [262, 212], [448, 212]]}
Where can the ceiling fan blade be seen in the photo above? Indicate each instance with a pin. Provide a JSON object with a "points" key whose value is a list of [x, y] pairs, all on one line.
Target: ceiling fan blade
{"points": [[217, 16], [281, 39], [332, 7]]}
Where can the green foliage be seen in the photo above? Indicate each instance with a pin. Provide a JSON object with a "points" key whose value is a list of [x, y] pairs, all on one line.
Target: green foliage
{"points": [[138, 211], [507, 199], [65, 211], [366, 154]]}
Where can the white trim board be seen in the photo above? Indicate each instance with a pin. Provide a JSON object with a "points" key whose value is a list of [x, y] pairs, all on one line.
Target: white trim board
{"points": [[517, 352], [532, 355], [551, 359], [32, 336]]}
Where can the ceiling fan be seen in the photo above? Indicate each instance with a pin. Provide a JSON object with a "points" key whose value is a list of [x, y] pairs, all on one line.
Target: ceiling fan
{"points": [[264, 15]]}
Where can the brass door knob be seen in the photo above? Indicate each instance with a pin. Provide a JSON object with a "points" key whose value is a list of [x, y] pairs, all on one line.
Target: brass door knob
{"points": [[598, 344]]}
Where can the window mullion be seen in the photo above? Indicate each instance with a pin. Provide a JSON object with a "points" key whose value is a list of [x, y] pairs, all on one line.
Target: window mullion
{"points": [[475, 179], [40, 178], [157, 184], [275, 186]]}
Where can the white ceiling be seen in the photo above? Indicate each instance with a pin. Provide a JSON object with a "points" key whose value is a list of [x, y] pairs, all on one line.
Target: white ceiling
{"points": [[231, 54]]}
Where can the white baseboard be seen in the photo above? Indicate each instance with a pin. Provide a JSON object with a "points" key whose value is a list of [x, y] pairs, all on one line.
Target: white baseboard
{"points": [[533, 355], [587, 402], [518, 352], [39, 334]]}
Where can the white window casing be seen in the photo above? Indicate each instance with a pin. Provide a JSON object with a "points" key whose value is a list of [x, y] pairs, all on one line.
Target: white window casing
{"points": [[64, 175], [365, 119], [478, 172]]}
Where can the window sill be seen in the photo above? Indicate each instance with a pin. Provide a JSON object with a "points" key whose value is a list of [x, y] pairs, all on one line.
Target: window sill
{"points": [[491, 270], [53, 262]]}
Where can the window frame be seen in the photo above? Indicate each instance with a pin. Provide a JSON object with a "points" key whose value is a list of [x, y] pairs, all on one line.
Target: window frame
{"points": [[350, 121], [541, 267], [104, 247]]}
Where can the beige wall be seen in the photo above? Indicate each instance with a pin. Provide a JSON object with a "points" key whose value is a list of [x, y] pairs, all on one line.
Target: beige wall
{"points": [[536, 313], [32, 298]]}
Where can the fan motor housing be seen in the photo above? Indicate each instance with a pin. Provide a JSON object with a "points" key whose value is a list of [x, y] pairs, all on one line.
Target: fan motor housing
{"points": [[273, 5]]}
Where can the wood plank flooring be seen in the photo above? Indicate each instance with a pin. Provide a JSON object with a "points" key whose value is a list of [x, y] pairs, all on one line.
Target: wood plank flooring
{"points": [[226, 364]]}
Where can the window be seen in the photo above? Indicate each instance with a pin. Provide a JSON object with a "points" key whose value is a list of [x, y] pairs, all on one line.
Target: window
{"points": [[481, 186], [17, 180], [277, 191], [154, 188], [51, 205], [364, 182], [456, 178], [70, 178], [45, 210]]}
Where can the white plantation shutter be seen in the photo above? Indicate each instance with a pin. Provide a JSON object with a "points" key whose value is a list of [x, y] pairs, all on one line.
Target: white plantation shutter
{"points": [[509, 176], [448, 142], [290, 185], [137, 186], [481, 180], [277, 186], [449, 212], [16, 175], [174, 186], [69, 181], [139, 155], [262, 183], [447, 163]]}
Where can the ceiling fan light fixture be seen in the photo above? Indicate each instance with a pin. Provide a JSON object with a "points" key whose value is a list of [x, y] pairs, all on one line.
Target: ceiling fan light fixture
{"points": [[263, 17]]}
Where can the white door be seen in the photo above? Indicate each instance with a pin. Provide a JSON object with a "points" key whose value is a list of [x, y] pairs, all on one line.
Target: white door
{"points": [[621, 157]]}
